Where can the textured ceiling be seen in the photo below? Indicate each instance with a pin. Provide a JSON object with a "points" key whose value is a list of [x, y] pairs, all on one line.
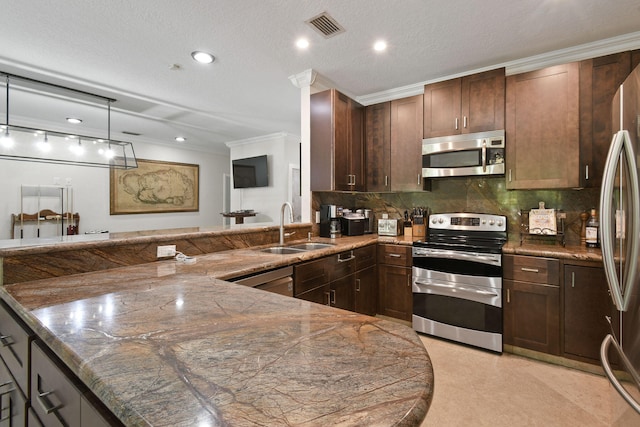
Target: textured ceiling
{"points": [[124, 49]]}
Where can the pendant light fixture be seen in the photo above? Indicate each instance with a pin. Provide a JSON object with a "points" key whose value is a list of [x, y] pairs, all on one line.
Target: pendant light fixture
{"points": [[17, 142], [6, 140]]}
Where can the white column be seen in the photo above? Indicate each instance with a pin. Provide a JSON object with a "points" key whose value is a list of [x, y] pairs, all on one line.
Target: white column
{"points": [[303, 81]]}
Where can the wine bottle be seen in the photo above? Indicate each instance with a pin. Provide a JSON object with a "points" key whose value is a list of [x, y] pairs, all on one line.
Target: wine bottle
{"points": [[592, 230]]}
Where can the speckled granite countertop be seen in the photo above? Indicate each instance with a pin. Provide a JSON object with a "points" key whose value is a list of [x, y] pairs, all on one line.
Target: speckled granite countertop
{"points": [[170, 344]]}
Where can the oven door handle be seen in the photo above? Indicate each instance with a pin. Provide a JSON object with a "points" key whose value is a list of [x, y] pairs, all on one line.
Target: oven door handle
{"points": [[471, 256], [456, 289]]}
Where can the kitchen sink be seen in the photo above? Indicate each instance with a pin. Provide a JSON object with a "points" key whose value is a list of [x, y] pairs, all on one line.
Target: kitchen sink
{"points": [[281, 250], [297, 248], [310, 246]]}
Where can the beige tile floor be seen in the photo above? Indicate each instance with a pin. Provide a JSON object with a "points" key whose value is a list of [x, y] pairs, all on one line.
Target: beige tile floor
{"points": [[479, 388]]}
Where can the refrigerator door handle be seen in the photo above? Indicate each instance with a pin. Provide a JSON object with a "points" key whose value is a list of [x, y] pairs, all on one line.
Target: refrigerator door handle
{"points": [[622, 289], [604, 348]]}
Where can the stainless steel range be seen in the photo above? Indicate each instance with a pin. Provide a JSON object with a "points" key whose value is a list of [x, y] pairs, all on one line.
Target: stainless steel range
{"points": [[457, 279]]}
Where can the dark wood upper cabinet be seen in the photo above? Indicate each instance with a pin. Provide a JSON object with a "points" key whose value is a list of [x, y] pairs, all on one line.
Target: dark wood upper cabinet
{"points": [[599, 81], [337, 143], [378, 146], [406, 143], [394, 145], [468, 104], [542, 128]]}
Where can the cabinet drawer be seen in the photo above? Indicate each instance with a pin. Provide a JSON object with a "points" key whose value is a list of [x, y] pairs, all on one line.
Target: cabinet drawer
{"points": [[395, 255], [365, 257], [15, 337], [309, 275], [532, 269], [341, 265], [54, 397], [13, 405]]}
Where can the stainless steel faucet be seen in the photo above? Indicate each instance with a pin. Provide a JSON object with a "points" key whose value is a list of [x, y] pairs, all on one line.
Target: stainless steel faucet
{"points": [[282, 209]]}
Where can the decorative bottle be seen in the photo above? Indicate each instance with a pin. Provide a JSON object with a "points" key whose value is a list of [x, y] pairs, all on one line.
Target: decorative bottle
{"points": [[592, 230]]}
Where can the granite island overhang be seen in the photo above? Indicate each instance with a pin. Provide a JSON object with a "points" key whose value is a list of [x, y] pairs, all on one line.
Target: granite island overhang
{"points": [[164, 348]]}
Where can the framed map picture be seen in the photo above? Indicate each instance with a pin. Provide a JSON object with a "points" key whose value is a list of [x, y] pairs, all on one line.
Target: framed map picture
{"points": [[154, 187]]}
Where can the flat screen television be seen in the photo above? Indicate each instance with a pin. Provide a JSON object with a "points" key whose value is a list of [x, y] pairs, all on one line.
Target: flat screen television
{"points": [[250, 172]]}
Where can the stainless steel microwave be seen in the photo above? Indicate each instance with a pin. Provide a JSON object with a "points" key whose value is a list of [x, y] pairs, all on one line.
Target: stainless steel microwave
{"points": [[463, 155]]}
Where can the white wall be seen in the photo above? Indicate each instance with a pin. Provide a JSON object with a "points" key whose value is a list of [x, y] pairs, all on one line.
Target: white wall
{"points": [[91, 191], [282, 150]]}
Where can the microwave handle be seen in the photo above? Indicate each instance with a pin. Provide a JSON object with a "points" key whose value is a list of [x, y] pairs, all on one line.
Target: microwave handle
{"points": [[484, 155]]}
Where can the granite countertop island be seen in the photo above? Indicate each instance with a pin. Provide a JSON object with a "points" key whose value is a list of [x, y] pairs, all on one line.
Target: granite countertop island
{"points": [[171, 345]]}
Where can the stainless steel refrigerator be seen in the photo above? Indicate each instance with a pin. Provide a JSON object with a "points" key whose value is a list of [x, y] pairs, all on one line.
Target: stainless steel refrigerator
{"points": [[620, 242]]}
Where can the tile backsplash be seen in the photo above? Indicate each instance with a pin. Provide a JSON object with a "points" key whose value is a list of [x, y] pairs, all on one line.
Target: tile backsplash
{"points": [[473, 194]]}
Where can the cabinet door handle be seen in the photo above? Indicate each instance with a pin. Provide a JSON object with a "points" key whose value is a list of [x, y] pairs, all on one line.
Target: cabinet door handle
{"points": [[419, 178], [394, 255], [5, 340], [573, 279], [45, 403], [332, 300], [386, 180], [351, 256], [9, 390], [529, 270], [456, 123], [508, 296], [357, 285], [328, 298], [464, 122], [509, 175], [586, 172]]}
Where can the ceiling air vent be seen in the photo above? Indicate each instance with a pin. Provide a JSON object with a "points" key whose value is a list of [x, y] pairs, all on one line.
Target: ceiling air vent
{"points": [[326, 25]]}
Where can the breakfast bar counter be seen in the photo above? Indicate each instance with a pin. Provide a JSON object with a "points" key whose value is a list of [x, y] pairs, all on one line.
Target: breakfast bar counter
{"points": [[167, 346]]}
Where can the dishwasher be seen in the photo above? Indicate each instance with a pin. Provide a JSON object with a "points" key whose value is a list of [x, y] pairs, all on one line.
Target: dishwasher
{"points": [[279, 281]]}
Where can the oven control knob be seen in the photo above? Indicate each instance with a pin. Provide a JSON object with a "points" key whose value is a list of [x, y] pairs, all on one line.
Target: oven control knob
{"points": [[491, 222], [499, 223], [440, 220], [433, 220]]}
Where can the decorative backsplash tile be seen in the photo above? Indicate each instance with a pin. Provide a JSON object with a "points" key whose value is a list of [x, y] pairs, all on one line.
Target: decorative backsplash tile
{"points": [[473, 194]]}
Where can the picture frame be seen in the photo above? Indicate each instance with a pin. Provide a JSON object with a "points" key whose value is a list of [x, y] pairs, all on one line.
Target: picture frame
{"points": [[154, 187]]}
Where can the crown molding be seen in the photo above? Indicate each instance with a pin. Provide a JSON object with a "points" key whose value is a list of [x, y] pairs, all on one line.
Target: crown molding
{"points": [[609, 46], [284, 136]]}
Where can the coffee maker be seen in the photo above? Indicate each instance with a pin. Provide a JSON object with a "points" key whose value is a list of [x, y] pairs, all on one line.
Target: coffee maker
{"points": [[330, 225]]}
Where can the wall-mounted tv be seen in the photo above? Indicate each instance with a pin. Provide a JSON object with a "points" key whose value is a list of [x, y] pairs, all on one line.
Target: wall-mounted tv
{"points": [[250, 172]]}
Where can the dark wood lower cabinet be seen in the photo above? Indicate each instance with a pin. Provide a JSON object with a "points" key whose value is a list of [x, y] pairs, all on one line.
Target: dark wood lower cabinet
{"points": [[342, 292], [532, 316], [13, 405], [531, 303], [586, 305], [59, 400], [347, 280], [366, 291], [396, 297]]}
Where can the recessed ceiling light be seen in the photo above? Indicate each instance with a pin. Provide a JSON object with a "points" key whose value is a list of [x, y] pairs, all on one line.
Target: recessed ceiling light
{"points": [[380, 45], [74, 120], [181, 138], [302, 43], [202, 57]]}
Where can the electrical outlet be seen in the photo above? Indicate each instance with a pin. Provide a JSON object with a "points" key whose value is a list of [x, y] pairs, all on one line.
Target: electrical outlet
{"points": [[166, 251]]}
